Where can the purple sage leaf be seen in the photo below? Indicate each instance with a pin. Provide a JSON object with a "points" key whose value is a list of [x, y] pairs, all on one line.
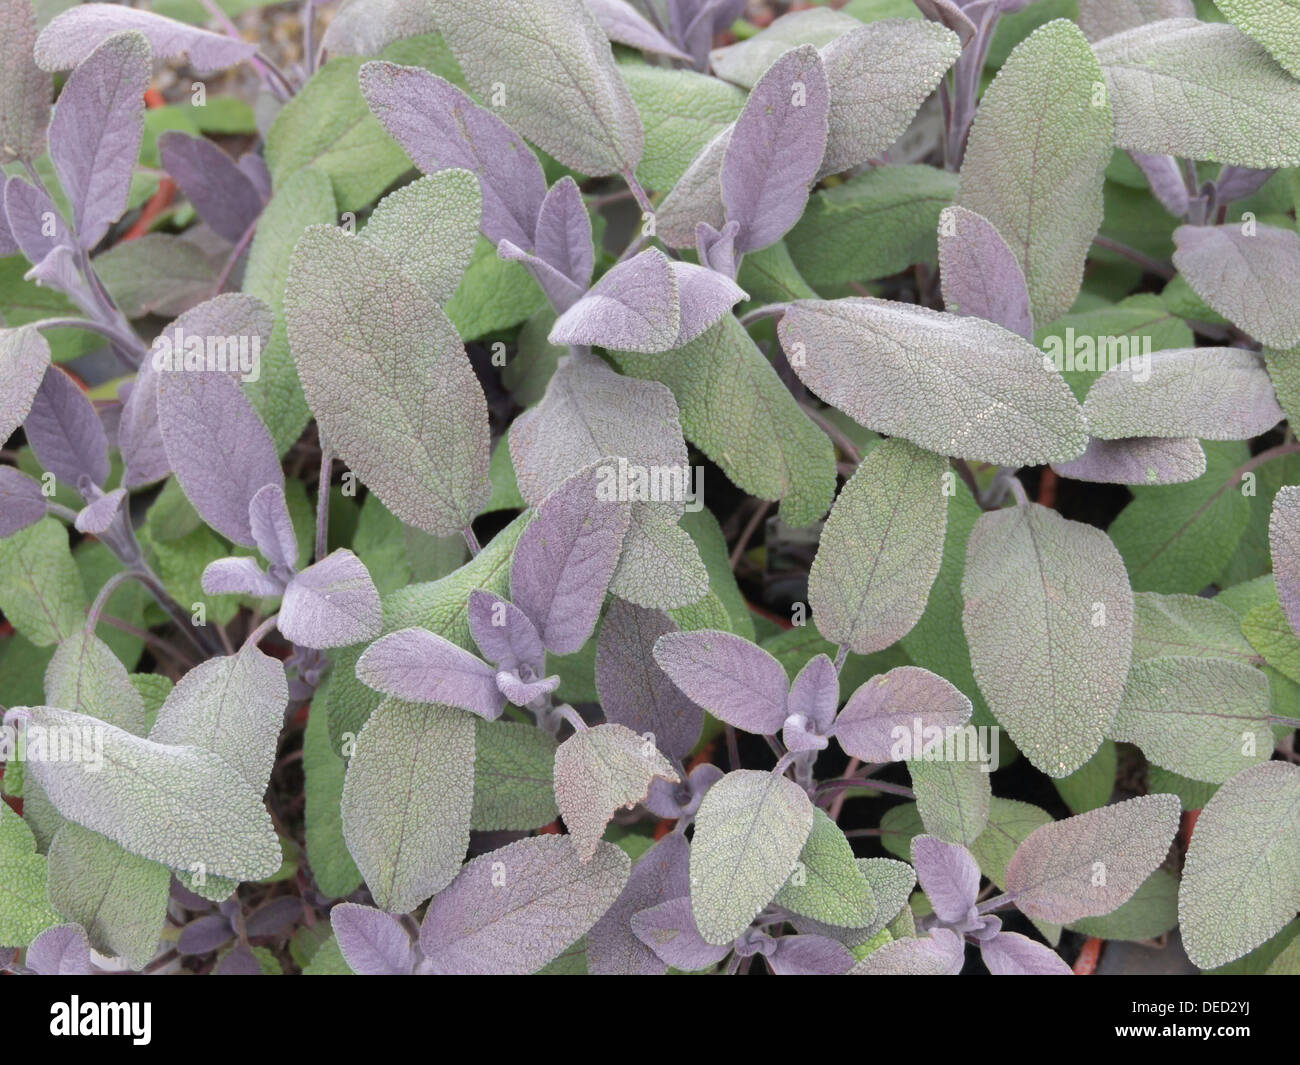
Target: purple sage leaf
{"points": [[332, 603], [810, 955], [669, 930], [238, 576], [512, 910], [72, 35], [21, 501], [218, 446], [634, 690], [949, 877], [423, 667], [613, 947], [272, 528], [728, 676], [1090, 864], [224, 196], [776, 149], [980, 274], [96, 130], [441, 127], [60, 951], [1011, 954], [65, 432], [565, 558], [503, 632], [624, 24], [881, 718], [373, 942]]}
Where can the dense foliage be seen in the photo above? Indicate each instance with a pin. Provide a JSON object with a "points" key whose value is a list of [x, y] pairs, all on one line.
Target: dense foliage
{"points": [[409, 596]]}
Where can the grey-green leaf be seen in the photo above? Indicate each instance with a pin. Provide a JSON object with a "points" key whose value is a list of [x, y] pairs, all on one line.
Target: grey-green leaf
{"points": [[407, 800], [952, 796], [388, 380], [24, 88], [600, 770], [1204, 718], [879, 75], [1035, 162], [1241, 272], [881, 548], [1273, 23], [119, 898], [84, 675], [735, 408], [1201, 90], [749, 832], [1092, 863], [1241, 881], [1049, 620], [513, 777], [24, 356], [1180, 625], [957, 386], [182, 806], [234, 707], [546, 67], [430, 228], [1210, 393], [41, 592], [305, 199], [828, 885]]}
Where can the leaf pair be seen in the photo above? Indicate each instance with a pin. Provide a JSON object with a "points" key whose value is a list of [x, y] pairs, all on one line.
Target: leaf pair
{"points": [[175, 804], [1063, 871], [745, 686], [648, 304], [561, 569], [858, 95], [509, 911]]}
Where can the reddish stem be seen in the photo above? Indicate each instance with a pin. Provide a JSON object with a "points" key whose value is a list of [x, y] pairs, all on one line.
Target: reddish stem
{"points": [[1086, 963]]}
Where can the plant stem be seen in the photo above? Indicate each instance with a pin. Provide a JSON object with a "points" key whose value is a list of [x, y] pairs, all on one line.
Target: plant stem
{"points": [[109, 587], [842, 783], [837, 435], [323, 500], [108, 332], [234, 255], [837, 803], [768, 310], [471, 540], [199, 636], [570, 715], [643, 200], [1150, 265], [258, 634], [743, 542]]}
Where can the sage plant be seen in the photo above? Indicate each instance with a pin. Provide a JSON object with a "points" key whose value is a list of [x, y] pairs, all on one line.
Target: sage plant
{"points": [[609, 487]]}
